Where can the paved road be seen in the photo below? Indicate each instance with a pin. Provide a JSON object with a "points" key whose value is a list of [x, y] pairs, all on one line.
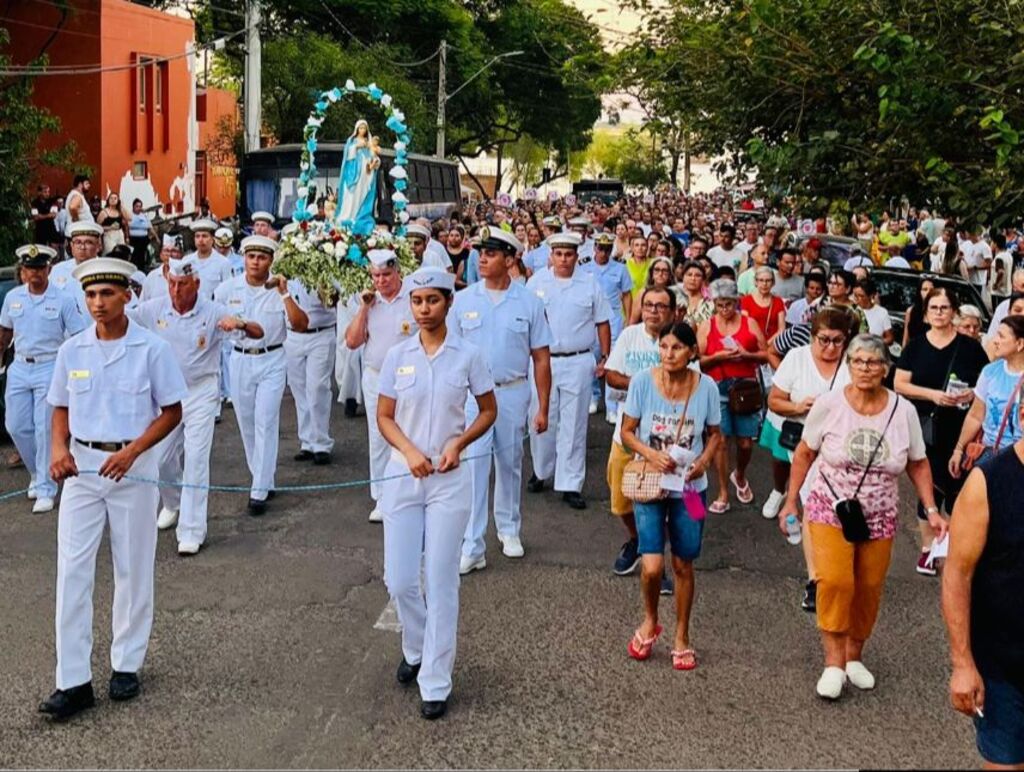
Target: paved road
{"points": [[265, 654]]}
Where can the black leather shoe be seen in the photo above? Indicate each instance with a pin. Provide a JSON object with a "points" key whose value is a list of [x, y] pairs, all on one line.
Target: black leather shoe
{"points": [[351, 408], [433, 709], [574, 500], [407, 673], [257, 508], [533, 485], [321, 458], [271, 495], [124, 686], [303, 455], [64, 703]]}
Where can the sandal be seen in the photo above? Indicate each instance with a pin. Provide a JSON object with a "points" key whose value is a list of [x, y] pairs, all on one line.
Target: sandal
{"points": [[684, 659], [744, 494], [640, 648], [718, 507]]}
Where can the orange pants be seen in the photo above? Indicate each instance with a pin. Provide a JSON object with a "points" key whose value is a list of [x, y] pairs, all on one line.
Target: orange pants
{"points": [[851, 578]]}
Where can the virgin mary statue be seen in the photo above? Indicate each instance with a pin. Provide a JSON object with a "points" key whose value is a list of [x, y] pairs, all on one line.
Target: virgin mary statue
{"points": [[357, 188]]}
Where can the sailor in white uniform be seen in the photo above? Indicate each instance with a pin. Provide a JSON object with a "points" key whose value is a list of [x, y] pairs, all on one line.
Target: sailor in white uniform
{"points": [[258, 367], [419, 237], [575, 305], [116, 392], [155, 285], [382, 318], [213, 267], [263, 225], [224, 243], [506, 322], [424, 384], [310, 356], [86, 238], [38, 317], [581, 225], [195, 327]]}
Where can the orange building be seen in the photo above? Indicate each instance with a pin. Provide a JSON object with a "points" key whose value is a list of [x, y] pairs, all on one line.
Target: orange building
{"points": [[140, 121]]}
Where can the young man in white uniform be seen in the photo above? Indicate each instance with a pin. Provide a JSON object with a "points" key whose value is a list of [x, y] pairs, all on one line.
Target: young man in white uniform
{"points": [[258, 366], [310, 355], [116, 392], [263, 225], [419, 237], [507, 323], [575, 306], [85, 238], [213, 267], [195, 327], [224, 243]]}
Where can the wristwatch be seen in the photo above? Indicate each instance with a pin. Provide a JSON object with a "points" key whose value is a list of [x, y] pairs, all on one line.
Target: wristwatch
{"points": [[932, 511]]}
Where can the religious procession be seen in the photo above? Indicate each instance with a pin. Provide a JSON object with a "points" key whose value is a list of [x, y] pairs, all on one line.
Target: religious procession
{"points": [[603, 467]]}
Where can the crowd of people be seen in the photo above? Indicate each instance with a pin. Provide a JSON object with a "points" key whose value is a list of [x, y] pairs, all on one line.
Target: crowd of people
{"points": [[520, 324]]}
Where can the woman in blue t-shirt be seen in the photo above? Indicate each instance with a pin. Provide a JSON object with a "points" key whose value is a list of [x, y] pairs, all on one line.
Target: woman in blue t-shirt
{"points": [[671, 419]]}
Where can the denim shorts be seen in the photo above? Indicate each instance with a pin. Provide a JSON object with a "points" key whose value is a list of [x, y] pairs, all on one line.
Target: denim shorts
{"points": [[1001, 733], [736, 425], [684, 532]]}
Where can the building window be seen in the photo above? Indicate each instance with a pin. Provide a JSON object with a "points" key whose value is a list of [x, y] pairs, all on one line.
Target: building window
{"points": [[158, 87], [200, 191], [141, 70], [140, 170]]}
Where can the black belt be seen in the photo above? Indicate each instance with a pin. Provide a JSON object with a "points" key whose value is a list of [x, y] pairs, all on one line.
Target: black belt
{"points": [[108, 447], [571, 353], [310, 331], [241, 350]]}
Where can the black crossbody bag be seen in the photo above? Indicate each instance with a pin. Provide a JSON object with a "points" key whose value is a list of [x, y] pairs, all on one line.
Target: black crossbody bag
{"points": [[793, 431], [849, 511], [928, 421]]}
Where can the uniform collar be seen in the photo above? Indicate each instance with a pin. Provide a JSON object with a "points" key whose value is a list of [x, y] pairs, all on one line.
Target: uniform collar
{"points": [[511, 290], [169, 307], [135, 336]]}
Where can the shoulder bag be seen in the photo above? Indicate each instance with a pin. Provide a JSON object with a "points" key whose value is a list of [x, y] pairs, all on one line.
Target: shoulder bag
{"points": [[793, 431], [641, 481], [928, 422], [974, 449], [849, 511]]}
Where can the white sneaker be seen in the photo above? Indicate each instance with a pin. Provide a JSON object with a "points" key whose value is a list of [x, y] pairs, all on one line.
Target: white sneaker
{"points": [[771, 507], [469, 564], [511, 546], [859, 675], [610, 417], [168, 519], [188, 547], [31, 494], [592, 410], [376, 516], [42, 504], [830, 685]]}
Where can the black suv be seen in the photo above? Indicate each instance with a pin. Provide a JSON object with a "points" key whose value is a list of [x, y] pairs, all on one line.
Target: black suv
{"points": [[898, 287]]}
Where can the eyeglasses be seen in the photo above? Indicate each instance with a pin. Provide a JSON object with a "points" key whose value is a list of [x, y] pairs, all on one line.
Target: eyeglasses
{"points": [[657, 307], [825, 340], [661, 269], [867, 364], [940, 309]]}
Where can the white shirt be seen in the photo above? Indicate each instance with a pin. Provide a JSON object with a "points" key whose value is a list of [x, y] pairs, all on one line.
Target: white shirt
{"points": [[436, 256], [897, 262], [1006, 287], [257, 304], [115, 399], [574, 307], [634, 351], [213, 270], [732, 258], [155, 285], [878, 320], [798, 376], [796, 311], [975, 256], [388, 322], [41, 323], [61, 278], [319, 315], [194, 337], [430, 392], [84, 212], [1001, 312]]}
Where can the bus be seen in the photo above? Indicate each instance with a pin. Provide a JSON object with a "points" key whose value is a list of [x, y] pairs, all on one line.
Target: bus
{"points": [[269, 178], [607, 190]]}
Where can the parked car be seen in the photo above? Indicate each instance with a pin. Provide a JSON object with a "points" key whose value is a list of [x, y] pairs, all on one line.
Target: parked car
{"points": [[898, 287], [835, 250]]}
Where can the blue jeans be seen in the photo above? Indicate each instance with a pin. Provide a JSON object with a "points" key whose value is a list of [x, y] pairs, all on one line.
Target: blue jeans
{"points": [[1000, 735], [684, 533]]}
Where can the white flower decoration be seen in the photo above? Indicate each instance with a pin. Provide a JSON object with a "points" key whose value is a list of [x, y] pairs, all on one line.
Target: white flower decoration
{"points": [[371, 242], [385, 101], [398, 196], [399, 115], [403, 217], [350, 85], [302, 192], [399, 146], [398, 172], [327, 247]]}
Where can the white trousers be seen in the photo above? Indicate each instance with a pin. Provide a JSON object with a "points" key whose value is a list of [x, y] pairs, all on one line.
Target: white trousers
{"points": [[348, 363], [225, 368], [380, 451], [257, 385], [184, 457], [88, 504], [505, 440], [27, 419], [562, 449], [425, 520], [310, 359]]}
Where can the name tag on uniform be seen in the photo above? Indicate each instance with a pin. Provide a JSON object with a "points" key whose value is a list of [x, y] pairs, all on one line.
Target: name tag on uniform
{"points": [[77, 375], [234, 301], [161, 323], [540, 293], [15, 305], [406, 370], [471, 315]]}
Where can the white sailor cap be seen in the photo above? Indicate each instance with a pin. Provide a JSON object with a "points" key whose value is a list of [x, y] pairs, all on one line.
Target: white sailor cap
{"points": [[223, 236], [35, 255], [205, 224], [418, 231], [137, 278], [187, 266], [579, 222], [259, 244], [431, 277], [552, 221], [85, 228], [103, 270], [289, 228], [171, 242], [381, 257], [564, 239], [499, 238], [262, 216]]}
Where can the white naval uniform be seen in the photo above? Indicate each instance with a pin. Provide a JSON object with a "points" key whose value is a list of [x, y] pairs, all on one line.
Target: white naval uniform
{"points": [[61, 278], [615, 281], [155, 285], [113, 391], [348, 363], [214, 270], [425, 520], [506, 331], [310, 358], [388, 322], [41, 323], [258, 378], [237, 269], [574, 308], [184, 454]]}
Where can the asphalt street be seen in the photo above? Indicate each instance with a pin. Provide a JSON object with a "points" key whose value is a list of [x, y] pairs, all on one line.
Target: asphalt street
{"points": [[265, 652]]}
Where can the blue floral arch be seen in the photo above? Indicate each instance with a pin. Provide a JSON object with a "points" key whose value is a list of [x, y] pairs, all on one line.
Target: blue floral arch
{"points": [[305, 211]]}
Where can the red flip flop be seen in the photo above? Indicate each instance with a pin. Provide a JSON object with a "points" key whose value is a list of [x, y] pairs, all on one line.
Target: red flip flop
{"points": [[684, 659], [640, 648]]}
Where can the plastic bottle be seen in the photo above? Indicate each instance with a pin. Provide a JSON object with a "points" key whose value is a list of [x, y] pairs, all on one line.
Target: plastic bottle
{"points": [[794, 534]]}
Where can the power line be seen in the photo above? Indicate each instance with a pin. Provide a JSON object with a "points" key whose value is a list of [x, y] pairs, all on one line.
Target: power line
{"points": [[369, 48]]}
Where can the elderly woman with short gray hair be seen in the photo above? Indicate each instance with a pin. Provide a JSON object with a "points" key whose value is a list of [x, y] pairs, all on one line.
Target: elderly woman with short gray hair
{"points": [[761, 305], [863, 437], [732, 347]]}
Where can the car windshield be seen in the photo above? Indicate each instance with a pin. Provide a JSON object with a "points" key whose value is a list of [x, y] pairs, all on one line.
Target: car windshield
{"points": [[897, 293]]}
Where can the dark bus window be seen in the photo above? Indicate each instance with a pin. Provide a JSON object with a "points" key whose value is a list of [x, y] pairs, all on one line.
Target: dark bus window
{"points": [[436, 180]]}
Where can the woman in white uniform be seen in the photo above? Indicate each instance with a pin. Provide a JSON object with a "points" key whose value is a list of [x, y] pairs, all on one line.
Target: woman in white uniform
{"points": [[421, 412]]}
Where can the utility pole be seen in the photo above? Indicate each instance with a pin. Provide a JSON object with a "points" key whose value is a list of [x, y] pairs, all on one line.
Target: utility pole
{"points": [[253, 94], [442, 66]]}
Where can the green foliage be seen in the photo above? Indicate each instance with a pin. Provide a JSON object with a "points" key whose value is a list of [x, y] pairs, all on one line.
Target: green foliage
{"points": [[630, 156]]}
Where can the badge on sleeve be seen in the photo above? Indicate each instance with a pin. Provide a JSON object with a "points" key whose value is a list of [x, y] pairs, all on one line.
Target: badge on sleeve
{"points": [[77, 375], [406, 370]]}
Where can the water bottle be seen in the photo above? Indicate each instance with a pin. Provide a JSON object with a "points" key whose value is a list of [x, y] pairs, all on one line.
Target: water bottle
{"points": [[956, 387], [793, 532]]}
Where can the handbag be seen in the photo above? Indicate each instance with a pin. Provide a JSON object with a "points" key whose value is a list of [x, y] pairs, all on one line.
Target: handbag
{"points": [[928, 422], [745, 396], [849, 511], [641, 481], [974, 448], [793, 431]]}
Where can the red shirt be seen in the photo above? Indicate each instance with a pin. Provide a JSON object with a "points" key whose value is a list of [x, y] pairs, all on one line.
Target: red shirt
{"points": [[767, 318], [743, 338]]}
